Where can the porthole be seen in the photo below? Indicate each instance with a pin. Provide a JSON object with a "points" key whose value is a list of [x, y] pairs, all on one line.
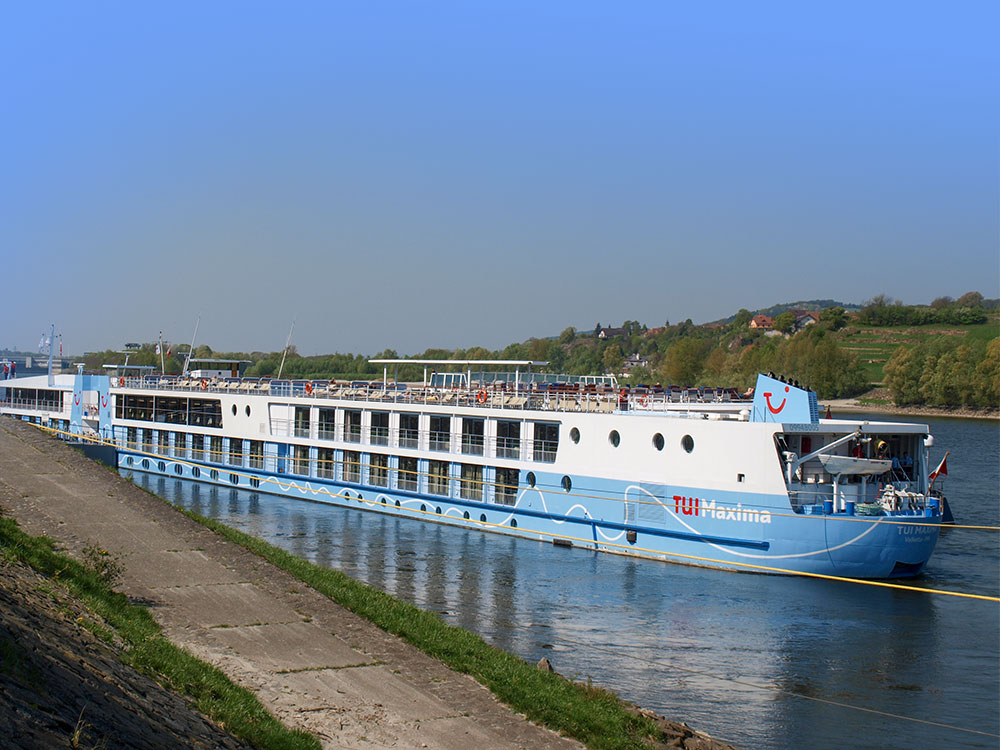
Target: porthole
{"points": [[658, 441], [360, 499], [129, 460], [513, 523], [234, 479], [567, 483], [382, 500], [438, 510], [247, 410], [178, 469], [234, 410], [574, 435], [254, 482], [482, 517], [161, 466], [397, 503], [466, 515], [531, 479], [687, 443], [214, 474], [196, 472], [614, 438], [423, 508]]}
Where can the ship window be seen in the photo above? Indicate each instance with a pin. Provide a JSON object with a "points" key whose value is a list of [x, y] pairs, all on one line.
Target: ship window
{"points": [[508, 439], [407, 474], [506, 486], [380, 428], [687, 443], [352, 466], [301, 460], [409, 430], [215, 449], [198, 446], [574, 435], [234, 410], [546, 441], [164, 439], [326, 463], [235, 452], [658, 441], [256, 454], [248, 410], [531, 478], [302, 421], [740, 477], [437, 477], [196, 472], [472, 436], [472, 482], [567, 483], [326, 421], [378, 470], [352, 426], [440, 435], [614, 438]]}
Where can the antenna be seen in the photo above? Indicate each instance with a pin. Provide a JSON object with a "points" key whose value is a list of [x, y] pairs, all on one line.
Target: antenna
{"points": [[285, 351]]}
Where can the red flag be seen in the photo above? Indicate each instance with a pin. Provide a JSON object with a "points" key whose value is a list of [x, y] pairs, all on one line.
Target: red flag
{"points": [[942, 468]]}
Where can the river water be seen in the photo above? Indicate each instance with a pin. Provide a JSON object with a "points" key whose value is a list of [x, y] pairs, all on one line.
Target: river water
{"points": [[760, 661]]}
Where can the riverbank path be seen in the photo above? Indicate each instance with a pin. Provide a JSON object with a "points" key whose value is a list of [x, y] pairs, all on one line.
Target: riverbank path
{"points": [[313, 664]]}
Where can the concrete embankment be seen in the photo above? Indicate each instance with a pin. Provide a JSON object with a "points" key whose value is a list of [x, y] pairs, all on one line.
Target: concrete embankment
{"points": [[312, 663]]}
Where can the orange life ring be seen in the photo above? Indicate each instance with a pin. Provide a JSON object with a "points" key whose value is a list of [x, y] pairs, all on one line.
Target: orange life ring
{"points": [[481, 397], [309, 388], [121, 382], [204, 384], [643, 400]]}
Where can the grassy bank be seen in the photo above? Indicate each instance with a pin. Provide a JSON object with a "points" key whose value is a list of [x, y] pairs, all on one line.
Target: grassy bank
{"points": [[596, 717], [142, 645]]}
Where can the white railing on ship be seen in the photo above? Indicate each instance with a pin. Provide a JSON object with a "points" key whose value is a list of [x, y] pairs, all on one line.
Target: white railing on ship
{"points": [[544, 396]]}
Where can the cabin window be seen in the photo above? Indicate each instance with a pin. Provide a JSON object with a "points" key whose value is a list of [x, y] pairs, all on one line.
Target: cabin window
{"points": [[131, 437], [326, 465], [567, 484], [198, 446], [352, 467], [215, 449], [506, 486], [378, 470], [614, 438], [352, 426], [508, 439], [235, 452], [163, 438], [574, 435], [407, 474], [301, 460], [471, 487], [437, 477], [472, 436], [687, 443], [180, 444], [256, 454], [302, 421], [440, 434], [205, 412], [326, 424], [380, 428], [546, 441], [409, 430], [658, 441]]}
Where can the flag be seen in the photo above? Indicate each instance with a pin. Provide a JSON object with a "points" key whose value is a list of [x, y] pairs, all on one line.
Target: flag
{"points": [[157, 348], [168, 351], [942, 468], [41, 342], [60, 347]]}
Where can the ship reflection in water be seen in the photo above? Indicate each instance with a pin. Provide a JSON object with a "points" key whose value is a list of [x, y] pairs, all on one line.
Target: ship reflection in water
{"points": [[723, 651]]}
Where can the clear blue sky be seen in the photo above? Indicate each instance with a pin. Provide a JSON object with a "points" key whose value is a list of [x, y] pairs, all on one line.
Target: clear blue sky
{"points": [[417, 174]]}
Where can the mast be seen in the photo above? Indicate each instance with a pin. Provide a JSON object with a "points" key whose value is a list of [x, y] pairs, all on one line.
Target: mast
{"points": [[52, 337], [187, 360], [159, 348], [285, 351]]}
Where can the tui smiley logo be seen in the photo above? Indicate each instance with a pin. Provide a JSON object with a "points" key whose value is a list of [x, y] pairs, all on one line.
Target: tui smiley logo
{"points": [[767, 397]]}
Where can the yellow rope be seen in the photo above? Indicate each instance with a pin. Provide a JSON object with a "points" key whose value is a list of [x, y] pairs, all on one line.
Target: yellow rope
{"points": [[584, 541]]}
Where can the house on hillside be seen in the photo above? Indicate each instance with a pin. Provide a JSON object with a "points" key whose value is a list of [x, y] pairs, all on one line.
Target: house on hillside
{"points": [[610, 333], [804, 318], [764, 322], [633, 361]]}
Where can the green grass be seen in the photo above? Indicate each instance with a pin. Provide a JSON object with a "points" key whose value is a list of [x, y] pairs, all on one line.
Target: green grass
{"points": [[236, 709], [596, 717]]}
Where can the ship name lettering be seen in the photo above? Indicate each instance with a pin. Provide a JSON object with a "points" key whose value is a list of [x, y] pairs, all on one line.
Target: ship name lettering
{"points": [[694, 506]]}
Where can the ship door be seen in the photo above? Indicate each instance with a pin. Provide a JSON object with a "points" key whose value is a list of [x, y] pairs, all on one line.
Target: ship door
{"points": [[282, 457]]}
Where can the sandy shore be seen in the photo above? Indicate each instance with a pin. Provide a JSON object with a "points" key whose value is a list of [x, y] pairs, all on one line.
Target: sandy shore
{"points": [[839, 405]]}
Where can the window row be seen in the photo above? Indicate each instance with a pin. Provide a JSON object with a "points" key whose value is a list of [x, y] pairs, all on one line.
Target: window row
{"points": [[444, 433], [201, 412]]}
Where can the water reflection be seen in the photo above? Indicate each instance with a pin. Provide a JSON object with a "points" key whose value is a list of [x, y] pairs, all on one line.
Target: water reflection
{"points": [[663, 635]]}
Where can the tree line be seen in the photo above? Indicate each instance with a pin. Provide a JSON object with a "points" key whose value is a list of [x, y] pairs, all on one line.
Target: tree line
{"points": [[943, 372]]}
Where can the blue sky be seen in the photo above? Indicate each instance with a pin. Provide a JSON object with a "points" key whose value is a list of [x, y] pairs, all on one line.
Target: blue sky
{"points": [[407, 175]]}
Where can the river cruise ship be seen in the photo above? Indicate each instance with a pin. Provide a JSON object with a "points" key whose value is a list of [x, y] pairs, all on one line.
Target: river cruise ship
{"points": [[752, 482]]}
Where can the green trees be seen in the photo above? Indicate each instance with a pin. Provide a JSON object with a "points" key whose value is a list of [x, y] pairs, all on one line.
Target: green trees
{"points": [[946, 373]]}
